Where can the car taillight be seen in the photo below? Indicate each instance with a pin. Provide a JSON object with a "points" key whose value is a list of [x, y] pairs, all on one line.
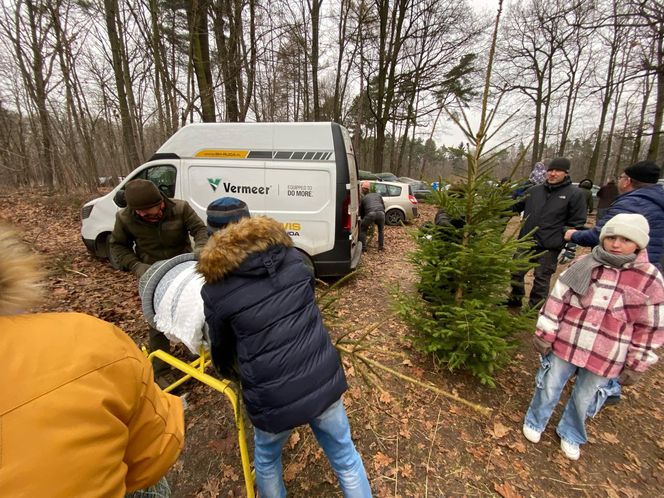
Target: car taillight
{"points": [[345, 213], [412, 199]]}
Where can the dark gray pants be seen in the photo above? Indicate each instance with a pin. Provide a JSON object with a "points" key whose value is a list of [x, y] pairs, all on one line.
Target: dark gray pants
{"points": [[547, 262], [377, 217], [157, 340]]}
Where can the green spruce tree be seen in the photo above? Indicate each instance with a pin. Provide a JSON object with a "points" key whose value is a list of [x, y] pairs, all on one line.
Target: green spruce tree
{"points": [[464, 264]]}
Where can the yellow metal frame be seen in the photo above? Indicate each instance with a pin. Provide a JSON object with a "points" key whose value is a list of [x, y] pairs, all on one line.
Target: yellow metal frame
{"points": [[196, 370]]}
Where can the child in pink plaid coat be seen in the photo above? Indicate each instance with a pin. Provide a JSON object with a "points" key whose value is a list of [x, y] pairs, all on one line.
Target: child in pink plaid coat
{"points": [[603, 319]]}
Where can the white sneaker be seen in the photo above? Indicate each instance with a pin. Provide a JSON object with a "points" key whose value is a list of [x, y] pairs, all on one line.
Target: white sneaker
{"points": [[531, 434], [571, 450]]}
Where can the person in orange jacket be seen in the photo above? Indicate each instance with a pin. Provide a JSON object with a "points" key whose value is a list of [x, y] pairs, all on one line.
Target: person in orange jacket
{"points": [[80, 414]]}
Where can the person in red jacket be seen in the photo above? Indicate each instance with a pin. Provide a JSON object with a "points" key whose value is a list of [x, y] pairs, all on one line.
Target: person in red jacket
{"points": [[80, 414]]}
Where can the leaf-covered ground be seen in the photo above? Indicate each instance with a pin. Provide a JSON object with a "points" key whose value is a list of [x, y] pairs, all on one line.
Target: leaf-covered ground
{"points": [[415, 443]]}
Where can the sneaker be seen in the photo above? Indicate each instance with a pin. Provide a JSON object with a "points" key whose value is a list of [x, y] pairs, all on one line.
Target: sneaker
{"points": [[571, 450], [531, 434]]}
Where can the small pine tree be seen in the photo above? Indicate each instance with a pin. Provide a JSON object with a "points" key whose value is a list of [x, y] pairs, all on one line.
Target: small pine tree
{"points": [[464, 269], [465, 266]]}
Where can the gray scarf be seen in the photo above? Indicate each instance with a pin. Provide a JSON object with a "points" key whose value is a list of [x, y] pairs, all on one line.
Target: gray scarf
{"points": [[577, 276]]}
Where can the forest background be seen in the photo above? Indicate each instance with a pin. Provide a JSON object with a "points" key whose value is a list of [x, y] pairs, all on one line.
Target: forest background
{"points": [[89, 89]]}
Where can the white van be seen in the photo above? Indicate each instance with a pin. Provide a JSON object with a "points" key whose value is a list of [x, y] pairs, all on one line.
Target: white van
{"points": [[302, 174]]}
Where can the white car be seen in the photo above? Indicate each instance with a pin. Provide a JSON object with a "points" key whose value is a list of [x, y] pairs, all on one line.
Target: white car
{"points": [[400, 203]]}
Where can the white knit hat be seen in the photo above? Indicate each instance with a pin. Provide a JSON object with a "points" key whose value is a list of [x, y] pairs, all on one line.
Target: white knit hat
{"points": [[629, 225]]}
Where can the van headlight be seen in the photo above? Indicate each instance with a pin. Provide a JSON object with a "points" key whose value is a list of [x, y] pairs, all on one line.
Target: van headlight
{"points": [[86, 211]]}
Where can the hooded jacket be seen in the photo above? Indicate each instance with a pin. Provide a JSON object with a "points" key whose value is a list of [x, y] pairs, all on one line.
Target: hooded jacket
{"points": [[259, 301], [81, 414], [648, 201], [135, 240], [550, 209]]}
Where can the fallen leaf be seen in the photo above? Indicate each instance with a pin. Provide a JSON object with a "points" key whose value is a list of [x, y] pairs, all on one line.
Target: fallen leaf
{"points": [[406, 470], [506, 490], [293, 470], [609, 438], [499, 430], [229, 472], [381, 460], [519, 447], [293, 439]]}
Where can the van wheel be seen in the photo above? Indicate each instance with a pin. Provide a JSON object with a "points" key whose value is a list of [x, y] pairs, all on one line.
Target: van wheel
{"points": [[395, 217], [104, 250], [308, 262]]}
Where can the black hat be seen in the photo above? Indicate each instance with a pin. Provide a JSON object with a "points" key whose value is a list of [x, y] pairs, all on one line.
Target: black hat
{"points": [[142, 194], [643, 171], [225, 210], [559, 163]]}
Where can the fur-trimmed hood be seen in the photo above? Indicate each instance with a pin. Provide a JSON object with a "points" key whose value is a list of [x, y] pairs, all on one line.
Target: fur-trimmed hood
{"points": [[21, 273], [227, 249]]}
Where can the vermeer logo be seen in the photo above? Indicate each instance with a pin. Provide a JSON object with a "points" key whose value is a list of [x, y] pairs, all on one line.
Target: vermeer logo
{"points": [[229, 188], [214, 183]]}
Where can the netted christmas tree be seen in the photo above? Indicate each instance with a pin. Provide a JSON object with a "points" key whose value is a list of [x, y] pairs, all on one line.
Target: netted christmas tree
{"points": [[464, 264]]}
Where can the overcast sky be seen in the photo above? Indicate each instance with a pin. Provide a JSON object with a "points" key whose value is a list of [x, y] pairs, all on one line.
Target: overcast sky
{"points": [[447, 133]]}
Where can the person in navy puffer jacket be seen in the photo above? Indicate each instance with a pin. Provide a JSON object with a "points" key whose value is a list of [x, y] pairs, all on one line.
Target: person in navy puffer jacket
{"points": [[260, 304], [640, 194]]}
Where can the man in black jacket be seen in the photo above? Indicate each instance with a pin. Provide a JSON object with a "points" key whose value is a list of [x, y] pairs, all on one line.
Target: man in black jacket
{"points": [[372, 210], [548, 209]]}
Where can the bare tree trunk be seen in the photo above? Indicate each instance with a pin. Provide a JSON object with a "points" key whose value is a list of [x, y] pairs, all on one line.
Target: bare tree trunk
{"points": [[29, 30], [228, 33], [653, 149], [314, 12], [132, 157], [197, 15], [636, 148], [390, 44], [620, 86], [608, 90], [250, 58], [618, 161], [73, 93]]}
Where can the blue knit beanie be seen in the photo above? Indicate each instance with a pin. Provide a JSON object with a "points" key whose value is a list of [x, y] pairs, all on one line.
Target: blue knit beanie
{"points": [[225, 210]]}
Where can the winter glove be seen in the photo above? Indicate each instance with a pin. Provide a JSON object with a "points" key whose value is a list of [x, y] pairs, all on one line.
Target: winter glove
{"points": [[139, 269], [629, 377], [541, 346], [568, 253]]}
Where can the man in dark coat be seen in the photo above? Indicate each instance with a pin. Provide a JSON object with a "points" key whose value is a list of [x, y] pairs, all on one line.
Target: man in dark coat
{"points": [[153, 228], [372, 210], [259, 302], [639, 193], [548, 209]]}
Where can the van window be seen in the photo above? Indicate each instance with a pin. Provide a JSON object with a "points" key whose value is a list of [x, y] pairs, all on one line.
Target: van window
{"points": [[163, 176]]}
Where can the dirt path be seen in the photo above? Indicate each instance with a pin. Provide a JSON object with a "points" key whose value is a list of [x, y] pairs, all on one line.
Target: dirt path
{"points": [[414, 442]]}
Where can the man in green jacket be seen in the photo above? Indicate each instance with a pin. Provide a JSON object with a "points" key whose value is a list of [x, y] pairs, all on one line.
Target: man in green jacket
{"points": [[153, 228]]}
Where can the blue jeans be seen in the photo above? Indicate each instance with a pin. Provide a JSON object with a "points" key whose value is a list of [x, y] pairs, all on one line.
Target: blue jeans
{"points": [[333, 434], [588, 395]]}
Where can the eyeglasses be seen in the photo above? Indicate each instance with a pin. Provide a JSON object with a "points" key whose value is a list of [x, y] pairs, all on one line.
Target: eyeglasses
{"points": [[623, 177]]}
